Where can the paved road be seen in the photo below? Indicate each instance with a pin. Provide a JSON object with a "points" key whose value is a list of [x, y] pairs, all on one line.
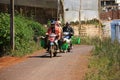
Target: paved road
{"points": [[69, 66]]}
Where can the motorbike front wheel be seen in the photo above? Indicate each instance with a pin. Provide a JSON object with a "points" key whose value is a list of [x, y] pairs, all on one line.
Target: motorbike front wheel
{"points": [[51, 51]]}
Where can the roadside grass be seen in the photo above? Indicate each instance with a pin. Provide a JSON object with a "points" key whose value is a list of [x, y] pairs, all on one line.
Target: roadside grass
{"points": [[105, 61]]}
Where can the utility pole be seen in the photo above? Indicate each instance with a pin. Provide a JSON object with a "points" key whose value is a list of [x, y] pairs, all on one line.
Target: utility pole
{"points": [[12, 44], [99, 8], [80, 18], [58, 8], [99, 12]]}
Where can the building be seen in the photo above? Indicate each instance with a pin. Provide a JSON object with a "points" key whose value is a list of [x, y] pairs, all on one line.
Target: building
{"points": [[109, 10], [40, 10], [108, 5], [118, 2]]}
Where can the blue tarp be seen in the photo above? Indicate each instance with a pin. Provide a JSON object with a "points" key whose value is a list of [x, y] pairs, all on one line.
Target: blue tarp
{"points": [[115, 30]]}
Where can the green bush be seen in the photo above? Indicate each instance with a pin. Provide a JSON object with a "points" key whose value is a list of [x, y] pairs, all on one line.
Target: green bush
{"points": [[4, 32], [93, 22], [74, 23], [38, 29], [25, 31]]}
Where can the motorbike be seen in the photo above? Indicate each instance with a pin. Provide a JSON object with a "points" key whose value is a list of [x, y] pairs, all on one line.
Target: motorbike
{"points": [[52, 45], [67, 40]]}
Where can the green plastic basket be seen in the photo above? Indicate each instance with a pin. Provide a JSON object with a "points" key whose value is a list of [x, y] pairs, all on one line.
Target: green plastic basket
{"points": [[75, 40], [64, 46], [42, 43], [78, 41]]}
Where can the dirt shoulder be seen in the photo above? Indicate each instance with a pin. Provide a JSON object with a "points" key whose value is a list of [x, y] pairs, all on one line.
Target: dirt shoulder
{"points": [[7, 61]]}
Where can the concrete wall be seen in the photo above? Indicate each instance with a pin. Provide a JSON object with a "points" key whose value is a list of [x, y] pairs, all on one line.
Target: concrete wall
{"points": [[88, 31], [34, 3], [76, 30], [106, 29], [89, 10]]}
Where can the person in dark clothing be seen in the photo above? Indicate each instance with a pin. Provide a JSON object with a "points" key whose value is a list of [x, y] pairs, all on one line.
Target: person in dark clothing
{"points": [[68, 28]]}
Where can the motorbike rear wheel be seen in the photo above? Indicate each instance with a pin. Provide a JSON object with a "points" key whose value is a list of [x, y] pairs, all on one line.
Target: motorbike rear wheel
{"points": [[55, 54], [68, 49]]}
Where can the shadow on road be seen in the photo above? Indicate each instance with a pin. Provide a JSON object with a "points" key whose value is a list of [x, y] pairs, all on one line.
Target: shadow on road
{"points": [[43, 56]]}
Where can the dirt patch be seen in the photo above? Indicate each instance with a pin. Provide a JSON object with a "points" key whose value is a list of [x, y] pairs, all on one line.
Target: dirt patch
{"points": [[8, 60], [81, 68]]}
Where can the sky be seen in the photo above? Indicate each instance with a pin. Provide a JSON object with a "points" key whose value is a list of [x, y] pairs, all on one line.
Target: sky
{"points": [[118, 1]]}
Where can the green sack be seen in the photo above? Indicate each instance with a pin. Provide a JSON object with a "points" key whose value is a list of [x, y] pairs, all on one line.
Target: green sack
{"points": [[75, 40], [78, 41], [42, 43], [64, 46]]}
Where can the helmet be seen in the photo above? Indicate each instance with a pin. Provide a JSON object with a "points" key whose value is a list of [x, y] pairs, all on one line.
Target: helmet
{"points": [[59, 22], [67, 23], [53, 22]]}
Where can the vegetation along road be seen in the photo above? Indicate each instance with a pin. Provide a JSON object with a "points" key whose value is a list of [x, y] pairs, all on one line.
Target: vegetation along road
{"points": [[66, 66]]}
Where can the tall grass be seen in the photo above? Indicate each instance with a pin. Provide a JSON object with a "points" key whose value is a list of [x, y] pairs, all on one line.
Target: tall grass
{"points": [[105, 61]]}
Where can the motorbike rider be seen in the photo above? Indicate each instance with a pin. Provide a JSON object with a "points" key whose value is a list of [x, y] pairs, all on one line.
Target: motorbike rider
{"points": [[54, 29], [68, 28]]}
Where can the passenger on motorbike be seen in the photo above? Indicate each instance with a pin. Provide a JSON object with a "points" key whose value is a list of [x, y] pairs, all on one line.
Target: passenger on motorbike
{"points": [[60, 38]]}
